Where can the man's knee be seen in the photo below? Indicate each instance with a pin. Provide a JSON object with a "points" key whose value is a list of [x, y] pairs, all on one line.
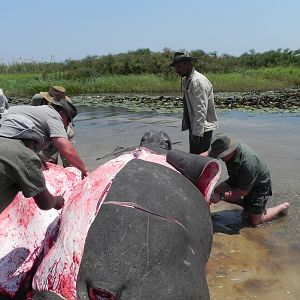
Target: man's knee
{"points": [[255, 219]]}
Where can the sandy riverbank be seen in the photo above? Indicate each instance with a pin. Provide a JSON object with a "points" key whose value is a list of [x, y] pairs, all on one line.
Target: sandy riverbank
{"points": [[245, 263]]}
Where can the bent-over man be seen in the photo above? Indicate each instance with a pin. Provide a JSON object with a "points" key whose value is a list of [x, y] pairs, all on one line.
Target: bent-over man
{"points": [[20, 167], [51, 122], [249, 182], [51, 154]]}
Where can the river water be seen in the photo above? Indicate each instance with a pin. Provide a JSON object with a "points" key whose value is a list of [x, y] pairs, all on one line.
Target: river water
{"points": [[245, 262]]}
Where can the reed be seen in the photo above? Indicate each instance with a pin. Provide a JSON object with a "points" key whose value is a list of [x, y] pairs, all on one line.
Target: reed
{"points": [[25, 85]]}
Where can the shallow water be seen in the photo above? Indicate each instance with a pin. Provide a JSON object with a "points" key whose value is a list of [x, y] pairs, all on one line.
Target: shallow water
{"points": [[245, 263]]}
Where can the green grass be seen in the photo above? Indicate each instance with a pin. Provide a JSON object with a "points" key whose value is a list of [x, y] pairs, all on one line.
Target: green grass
{"points": [[25, 85], [256, 80]]}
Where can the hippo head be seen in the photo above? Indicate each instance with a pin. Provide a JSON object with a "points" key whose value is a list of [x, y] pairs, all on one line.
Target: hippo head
{"points": [[155, 140]]}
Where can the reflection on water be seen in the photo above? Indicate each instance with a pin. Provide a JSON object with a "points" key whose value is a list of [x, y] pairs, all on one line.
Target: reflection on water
{"points": [[245, 263]]}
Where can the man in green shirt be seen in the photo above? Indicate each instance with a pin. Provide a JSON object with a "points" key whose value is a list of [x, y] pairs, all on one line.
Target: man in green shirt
{"points": [[249, 182], [20, 167]]}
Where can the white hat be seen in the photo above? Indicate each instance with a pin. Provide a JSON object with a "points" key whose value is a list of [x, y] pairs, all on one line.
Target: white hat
{"points": [[16, 126]]}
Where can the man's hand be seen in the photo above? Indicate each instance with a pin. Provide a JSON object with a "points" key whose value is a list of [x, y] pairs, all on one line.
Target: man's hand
{"points": [[70, 154], [215, 198], [205, 154], [60, 201]]}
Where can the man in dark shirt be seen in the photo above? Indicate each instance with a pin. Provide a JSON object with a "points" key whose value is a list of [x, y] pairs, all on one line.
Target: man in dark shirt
{"points": [[249, 182], [20, 167]]}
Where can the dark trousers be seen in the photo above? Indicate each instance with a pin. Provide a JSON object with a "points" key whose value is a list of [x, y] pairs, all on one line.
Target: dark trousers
{"points": [[200, 144]]}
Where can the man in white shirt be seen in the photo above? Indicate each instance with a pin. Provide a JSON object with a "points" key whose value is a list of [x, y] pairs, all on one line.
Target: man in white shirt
{"points": [[199, 115]]}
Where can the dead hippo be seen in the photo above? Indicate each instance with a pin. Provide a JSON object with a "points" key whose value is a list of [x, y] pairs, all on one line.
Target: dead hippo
{"points": [[135, 229]]}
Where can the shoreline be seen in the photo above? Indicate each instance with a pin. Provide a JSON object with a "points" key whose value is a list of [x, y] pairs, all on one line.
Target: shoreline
{"points": [[287, 100]]}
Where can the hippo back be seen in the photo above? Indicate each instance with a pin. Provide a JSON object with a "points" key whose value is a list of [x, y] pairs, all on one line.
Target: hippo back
{"points": [[150, 240]]}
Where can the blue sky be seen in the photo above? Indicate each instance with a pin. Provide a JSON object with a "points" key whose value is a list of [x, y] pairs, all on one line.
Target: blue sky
{"points": [[61, 29]]}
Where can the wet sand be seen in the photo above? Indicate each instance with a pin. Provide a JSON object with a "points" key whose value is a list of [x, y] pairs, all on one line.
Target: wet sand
{"points": [[245, 262], [261, 262]]}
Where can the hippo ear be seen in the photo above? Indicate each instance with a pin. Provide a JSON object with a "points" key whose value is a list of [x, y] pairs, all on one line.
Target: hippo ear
{"points": [[167, 140], [146, 137]]}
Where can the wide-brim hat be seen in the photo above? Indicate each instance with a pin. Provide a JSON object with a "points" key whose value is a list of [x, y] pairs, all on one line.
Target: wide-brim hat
{"points": [[17, 126], [222, 145], [38, 99], [47, 97], [60, 91], [181, 56], [66, 106]]}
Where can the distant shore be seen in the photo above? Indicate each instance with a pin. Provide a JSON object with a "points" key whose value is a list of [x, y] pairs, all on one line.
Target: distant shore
{"points": [[283, 100]]}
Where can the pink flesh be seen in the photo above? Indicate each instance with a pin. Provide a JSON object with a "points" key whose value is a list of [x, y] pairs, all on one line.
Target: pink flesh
{"points": [[23, 228], [209, 178]]}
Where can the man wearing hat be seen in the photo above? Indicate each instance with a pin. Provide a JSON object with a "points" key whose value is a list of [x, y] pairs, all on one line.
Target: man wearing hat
{"points": [[20, 167], [57, 93], [51, 122], [249, 182], [199, 115]]}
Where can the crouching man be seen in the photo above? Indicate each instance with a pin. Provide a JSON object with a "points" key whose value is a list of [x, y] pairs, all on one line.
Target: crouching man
{"points": [[249, 182], [20, 167]]}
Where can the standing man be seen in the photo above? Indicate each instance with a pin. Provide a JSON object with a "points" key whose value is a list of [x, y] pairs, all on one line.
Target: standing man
{"points": [[199, 115], [20, 167], [249, 182], [51, 122]]}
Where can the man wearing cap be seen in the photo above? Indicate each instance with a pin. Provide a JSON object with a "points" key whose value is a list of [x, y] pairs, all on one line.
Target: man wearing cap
{"points": [[51, 122], [20, 167], [199, 115], [51, 154], [249, 182]]}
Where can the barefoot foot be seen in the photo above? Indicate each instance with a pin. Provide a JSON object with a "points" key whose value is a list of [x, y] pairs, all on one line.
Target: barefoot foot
{"points": [[285, 208]]}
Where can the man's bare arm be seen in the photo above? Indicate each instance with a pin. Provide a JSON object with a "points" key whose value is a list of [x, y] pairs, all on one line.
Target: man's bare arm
{"points": [[67, 150]]}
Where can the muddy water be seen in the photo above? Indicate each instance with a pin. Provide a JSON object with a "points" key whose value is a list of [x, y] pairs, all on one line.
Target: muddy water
{"points": [[245, 263]]}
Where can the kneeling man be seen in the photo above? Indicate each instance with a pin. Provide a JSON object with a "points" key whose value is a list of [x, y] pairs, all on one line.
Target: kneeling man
{"points": [[249, 182]]}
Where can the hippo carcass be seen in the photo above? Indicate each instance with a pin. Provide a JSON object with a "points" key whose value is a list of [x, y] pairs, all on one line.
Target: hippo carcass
{"points": [[135, 229], [151, 238]]}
